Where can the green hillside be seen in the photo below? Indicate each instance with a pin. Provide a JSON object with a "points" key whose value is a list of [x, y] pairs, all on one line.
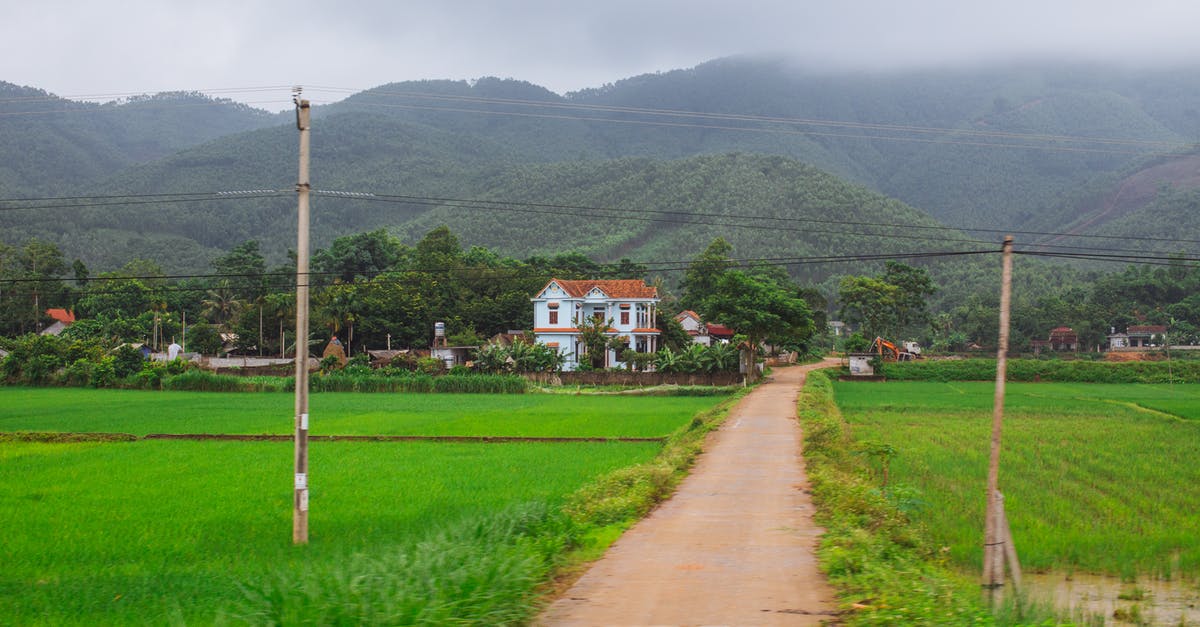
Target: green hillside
{"points": [[934, 139], [50, 145], [662, 211], [938, 140]]}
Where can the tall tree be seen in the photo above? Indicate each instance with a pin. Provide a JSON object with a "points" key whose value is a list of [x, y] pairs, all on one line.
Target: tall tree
{"points": [[700, 279], [242, 269], [361, 256], [760, 309]]}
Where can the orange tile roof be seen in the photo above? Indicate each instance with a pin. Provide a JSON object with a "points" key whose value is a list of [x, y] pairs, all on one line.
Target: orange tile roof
{"points": [[719, 329], [61, 315], [615, 288]]}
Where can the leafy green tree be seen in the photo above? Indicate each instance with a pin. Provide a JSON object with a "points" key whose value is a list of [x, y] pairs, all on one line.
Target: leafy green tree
{"points": [[888, 305], [912, 304], [593, 334], [672, 334], [700, 279], [204, 339], [361, 256], [869, 303], [760, 309]]}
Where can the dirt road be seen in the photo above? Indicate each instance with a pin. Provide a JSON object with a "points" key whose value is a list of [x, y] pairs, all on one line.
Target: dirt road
{"points": [[734, 546]]}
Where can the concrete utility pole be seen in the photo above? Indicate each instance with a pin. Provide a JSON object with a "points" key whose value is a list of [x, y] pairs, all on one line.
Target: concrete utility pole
{"points": [[300, 497], [994, 540]]}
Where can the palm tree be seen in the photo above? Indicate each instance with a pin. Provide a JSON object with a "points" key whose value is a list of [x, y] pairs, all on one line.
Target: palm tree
{"points": [[220, 304]]}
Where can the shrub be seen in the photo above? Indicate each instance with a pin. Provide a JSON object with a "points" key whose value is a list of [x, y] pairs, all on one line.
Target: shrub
{"points": [[404, 361], [204, 339], [104, 373], [203, 381], [79, 373], [330, 363], [481, 384], [34, 359], [127, 361], [431, 365], [151, 376]]}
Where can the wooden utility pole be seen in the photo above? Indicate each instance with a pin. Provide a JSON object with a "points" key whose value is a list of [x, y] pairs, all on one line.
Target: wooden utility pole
{"points": [[300, 497], [993, 547]]}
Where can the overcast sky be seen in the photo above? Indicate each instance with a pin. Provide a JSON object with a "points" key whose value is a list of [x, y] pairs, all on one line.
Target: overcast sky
{"points": [[86, 47]]}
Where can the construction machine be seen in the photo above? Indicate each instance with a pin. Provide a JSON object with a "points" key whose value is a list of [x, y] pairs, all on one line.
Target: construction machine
{"points": [[890, 352]]}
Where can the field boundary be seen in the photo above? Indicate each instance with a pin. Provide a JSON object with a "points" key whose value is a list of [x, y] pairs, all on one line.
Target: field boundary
{"points": [[53, 437]]}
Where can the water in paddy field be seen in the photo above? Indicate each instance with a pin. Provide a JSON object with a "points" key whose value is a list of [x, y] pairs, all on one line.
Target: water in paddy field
{"points": [[1146, 601]]}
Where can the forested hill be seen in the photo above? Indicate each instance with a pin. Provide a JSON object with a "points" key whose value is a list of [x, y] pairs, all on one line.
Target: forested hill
{"points": [[942, 140], [661, 212], [51, 145]]}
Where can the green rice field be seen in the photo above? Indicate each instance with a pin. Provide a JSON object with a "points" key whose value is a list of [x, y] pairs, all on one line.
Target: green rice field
{"points": [[1097, 478], [139, 412], [200, 531]]}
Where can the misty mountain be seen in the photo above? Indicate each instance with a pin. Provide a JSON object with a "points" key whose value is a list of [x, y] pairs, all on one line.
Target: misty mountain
{"points": [[986, 147], [50, 145], [997, 147]]}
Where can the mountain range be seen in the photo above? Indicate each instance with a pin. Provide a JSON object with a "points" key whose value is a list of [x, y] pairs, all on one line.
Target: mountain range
{"points": [[782, 161]]}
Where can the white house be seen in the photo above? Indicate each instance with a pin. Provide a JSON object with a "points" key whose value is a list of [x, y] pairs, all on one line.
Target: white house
{"points": [[704, 333], [629, 306], [691, 322]]}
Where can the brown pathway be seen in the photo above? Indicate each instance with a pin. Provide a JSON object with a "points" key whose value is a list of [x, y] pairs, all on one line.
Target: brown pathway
{"points": [[735, 544]]}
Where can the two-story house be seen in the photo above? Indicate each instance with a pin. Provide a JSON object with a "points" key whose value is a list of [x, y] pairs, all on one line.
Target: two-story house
{"points": [[630, 307]]}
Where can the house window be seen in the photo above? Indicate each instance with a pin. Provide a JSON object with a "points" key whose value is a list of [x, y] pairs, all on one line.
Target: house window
{"points": [[625, 317], [553, 316]]}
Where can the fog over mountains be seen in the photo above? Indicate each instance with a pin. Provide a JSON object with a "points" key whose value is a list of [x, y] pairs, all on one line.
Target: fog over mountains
{"points": [[738, 144]]}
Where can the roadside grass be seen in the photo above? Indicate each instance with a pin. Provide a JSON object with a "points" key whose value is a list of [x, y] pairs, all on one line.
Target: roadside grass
{"points": [[885, 570], [526, 415], [1093, 481]]}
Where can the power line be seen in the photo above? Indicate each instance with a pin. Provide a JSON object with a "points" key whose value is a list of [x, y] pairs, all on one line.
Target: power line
{"points": [[489, 274], [634, 215], [778, 131], [747, 117], [144, 199], [569, 210], [592, 208], [901, 128]]}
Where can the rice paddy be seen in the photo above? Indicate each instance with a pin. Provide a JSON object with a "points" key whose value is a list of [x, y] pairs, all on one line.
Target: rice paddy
{"points": [[520, 415], [175, 531], [1097, 478]]}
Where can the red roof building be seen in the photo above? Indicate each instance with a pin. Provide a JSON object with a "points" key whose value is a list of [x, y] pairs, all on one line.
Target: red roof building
{"points": [[61, 315], [629, 306]]}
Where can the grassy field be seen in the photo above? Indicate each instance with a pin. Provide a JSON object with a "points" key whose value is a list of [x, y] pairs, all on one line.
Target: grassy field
{"points": [[1098, 478], [162, 531], [525, 415]]}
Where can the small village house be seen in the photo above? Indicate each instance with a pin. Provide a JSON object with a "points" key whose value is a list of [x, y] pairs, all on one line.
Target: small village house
{"points": [[629, 306], [1146, 335], [701, 332], [62, 319], [1061, 339]]}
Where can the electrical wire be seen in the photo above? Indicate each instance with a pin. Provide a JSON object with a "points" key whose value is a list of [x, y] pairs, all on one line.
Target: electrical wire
{"points": [[361, 93], [490, 275]]}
